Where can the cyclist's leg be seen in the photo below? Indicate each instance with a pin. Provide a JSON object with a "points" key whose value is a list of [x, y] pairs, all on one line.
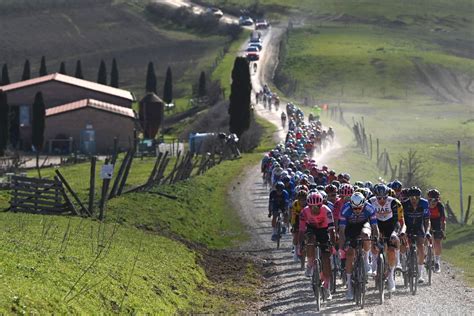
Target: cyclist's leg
{"points": [[310, 239], [323, 237], [365, 233], [420, 245], [437, 247]]}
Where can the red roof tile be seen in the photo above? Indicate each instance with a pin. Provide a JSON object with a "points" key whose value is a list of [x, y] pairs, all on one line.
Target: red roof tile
{"points": [[72, 81], [93, 104]]}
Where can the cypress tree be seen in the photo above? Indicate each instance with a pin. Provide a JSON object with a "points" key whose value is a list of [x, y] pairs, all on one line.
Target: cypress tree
{"points": [[150, 79], [26, 71], [38, 122], [239, 106], [14, 126], [168, 88], [114, 75], [202, 89], [4, 118], [102, 76], [5, 76], [62, 68], [42, 70], [37, 126], [78, 73]]}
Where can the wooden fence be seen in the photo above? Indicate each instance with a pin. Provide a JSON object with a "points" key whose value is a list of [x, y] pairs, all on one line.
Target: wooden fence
{"points": [[38, 196]]}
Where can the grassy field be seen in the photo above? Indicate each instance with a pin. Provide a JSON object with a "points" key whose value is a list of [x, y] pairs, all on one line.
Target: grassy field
{"points": [[151, 255], [103, 30]]}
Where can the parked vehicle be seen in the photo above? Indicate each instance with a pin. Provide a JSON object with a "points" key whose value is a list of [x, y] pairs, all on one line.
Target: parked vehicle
{"points": [[245, 21], [215, 12], [261, 24], [258, 45], [252, 53]]}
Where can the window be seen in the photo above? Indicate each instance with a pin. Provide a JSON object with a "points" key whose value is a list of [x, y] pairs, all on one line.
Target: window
{"points": [[24, 115]]}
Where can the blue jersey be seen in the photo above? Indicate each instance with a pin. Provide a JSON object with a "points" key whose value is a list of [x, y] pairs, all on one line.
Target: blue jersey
{"points": [[330, 205], [415, 217], [278, 201], [348, 217]]}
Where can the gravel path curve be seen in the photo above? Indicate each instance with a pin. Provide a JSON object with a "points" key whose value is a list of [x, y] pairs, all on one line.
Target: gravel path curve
{"points": [[286, 289]]}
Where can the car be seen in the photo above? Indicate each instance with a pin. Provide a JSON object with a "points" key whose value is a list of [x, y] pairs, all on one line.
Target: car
{"points": [[245, 21], [255, 40], [252, 53], [261, 24], [258, 45], [215, 12]]}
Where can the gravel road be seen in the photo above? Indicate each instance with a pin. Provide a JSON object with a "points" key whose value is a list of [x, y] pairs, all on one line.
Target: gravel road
{"points": [[286, 289]]}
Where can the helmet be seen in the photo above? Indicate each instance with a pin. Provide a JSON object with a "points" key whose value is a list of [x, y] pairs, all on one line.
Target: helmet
{"points": [[332, 172], [368, 185], [302, 194], [357, 200], [279, 185], [323, 194], [414, 191], [433, 194], [324, 167], [331, 188], [346, 190], [313, 186], [381, 189], [346, 177], [336, 183], [301, 188], [286, 179], [360, 184], [320, 187], [396, 185], [365, 192], [314, 199]]}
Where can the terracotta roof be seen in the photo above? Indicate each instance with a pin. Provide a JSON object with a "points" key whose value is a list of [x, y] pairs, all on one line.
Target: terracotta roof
{"points": [[92, 104], [72, 81]]}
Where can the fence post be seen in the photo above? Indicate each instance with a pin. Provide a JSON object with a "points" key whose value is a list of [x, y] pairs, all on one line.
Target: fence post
{"points": [[371, 146], [460, 180], [468, 210], [378, 151], [92, 185], [103, 198]]}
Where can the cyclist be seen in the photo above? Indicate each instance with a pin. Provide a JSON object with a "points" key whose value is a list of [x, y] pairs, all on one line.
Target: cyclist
{"points": [[279, 200], [357, 220], [389, 213], [417, 219], [438, 224], [345, 193], [317, 225], [397, 187], [296, 209]]}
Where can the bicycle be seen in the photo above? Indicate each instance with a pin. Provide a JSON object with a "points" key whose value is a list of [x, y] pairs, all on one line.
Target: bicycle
{"points": [[410, 274], [280, 225], [429, 259], [382, 271], [336, 268], [316, 282], [359, 273]]}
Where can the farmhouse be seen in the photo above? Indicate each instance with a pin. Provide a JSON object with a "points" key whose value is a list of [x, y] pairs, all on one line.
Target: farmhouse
{"points": [[81, 115]]}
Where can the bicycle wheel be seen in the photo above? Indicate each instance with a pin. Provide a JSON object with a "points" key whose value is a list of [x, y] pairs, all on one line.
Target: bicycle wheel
{"points": [[381, 277], [414, 272], [278, 229], [316, 284], [303, 255], [335, 268], [362, 281], [429, 263]]}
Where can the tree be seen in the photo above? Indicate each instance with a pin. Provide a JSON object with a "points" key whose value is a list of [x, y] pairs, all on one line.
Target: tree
{"points": [[5, 76], [14, 126], [26, 71], [78, 73], [42, 70], [240, 90], [62, 68], [168, 88], [4, 118], [150, 78], [102, 76], [202, 89], [37, 126], [114, 75]]}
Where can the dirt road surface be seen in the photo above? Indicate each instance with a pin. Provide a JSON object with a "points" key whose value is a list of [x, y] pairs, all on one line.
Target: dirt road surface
{"points": [[286, 289]]}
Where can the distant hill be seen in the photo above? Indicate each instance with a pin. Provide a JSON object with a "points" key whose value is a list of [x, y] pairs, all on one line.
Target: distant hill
{"points": [[66, 30]]}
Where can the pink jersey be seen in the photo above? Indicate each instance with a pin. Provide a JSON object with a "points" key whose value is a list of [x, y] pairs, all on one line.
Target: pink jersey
{"points": [[338, 208], [322, 220]]}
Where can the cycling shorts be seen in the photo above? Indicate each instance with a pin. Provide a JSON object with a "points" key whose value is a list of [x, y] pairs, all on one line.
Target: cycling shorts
{"points": [[436, 228], [417, 230], [320, 235], [353, 231], [386, 229], [296, 226]]}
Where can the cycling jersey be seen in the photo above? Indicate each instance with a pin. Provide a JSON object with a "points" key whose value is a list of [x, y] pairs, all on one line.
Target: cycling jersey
{"points": [[437, 212], [391, 210], [278, 201], [338, 206], [323, 220], [296, 209], [415, 217], [349, 217]]}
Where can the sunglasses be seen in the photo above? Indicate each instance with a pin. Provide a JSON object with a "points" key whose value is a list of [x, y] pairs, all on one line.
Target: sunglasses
{"points": [[433, 200]]}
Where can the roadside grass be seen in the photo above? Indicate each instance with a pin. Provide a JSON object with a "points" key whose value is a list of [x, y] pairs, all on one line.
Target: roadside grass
{"points": [[458, 249]]}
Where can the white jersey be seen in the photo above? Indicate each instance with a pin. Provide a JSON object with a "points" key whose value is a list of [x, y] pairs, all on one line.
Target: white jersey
{"points": [[382, 212]]}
